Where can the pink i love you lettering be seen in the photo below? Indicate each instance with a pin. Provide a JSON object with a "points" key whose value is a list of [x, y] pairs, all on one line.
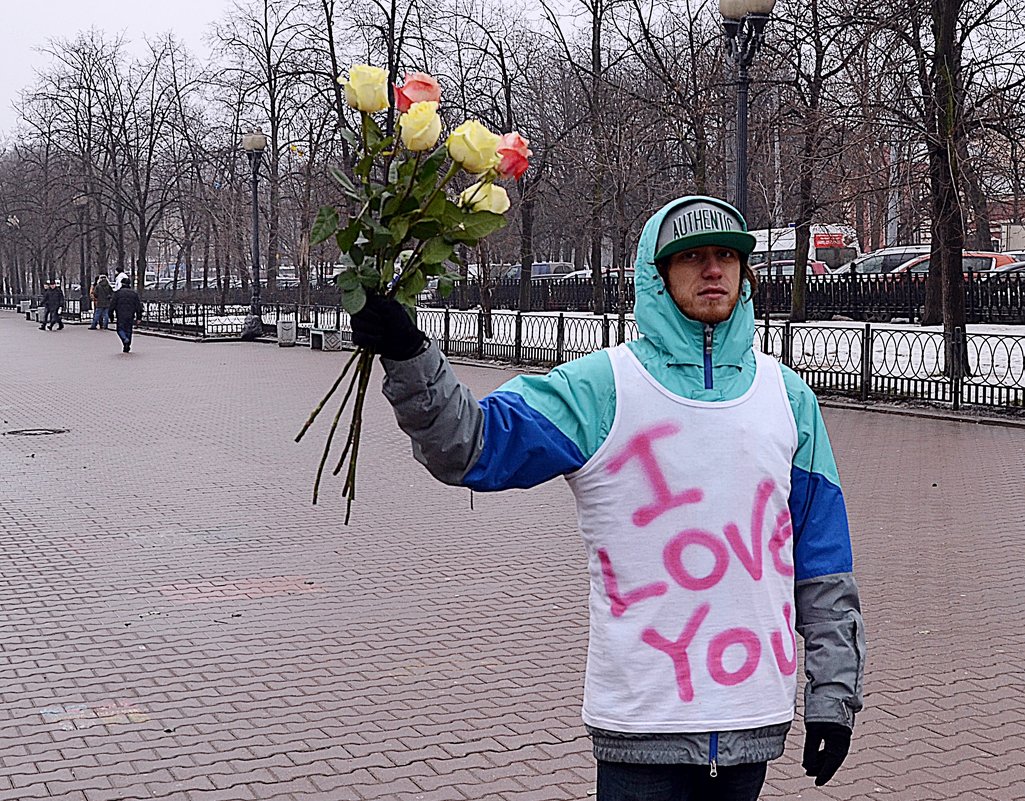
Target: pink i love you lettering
{"points": [[719, 550]]}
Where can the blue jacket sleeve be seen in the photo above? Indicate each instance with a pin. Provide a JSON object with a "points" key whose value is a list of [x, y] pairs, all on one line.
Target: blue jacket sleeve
{"points": [[540, 427], [826, 595], [531, 429]]}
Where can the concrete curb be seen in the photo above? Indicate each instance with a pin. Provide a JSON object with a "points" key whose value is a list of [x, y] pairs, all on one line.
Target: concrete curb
{"points": [[948, 415]]}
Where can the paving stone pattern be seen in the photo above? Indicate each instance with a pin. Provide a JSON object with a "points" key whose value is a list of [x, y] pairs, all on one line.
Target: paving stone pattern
{"points": [[178, 622]]}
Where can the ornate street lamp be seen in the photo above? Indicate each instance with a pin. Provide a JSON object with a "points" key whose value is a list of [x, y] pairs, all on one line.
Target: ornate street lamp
{"points": [[744, 22], [81, 201], [254, 143]]}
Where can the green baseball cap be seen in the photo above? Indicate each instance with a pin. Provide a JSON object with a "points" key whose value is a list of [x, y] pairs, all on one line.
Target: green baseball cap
{"points": [[698, 221]]}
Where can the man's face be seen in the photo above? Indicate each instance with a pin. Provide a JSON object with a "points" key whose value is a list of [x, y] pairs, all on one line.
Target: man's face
{"points": [[705, 282]]}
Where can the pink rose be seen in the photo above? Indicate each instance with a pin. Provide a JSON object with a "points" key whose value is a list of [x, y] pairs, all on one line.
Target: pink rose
{"points": [[419, 87], [513, 152]]}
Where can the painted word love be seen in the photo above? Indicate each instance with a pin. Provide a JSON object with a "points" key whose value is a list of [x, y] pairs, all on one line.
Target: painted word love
{"points": [[719, 553]]}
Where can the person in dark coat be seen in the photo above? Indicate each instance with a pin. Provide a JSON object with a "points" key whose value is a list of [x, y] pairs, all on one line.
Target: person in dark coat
{"points": [[53, 301], [101, 294], [126, 309]]}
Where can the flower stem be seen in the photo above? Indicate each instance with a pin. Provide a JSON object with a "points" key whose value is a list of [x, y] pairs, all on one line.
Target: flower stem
{"points": [[453, 168], [326, 398], [349, 489], [327, 445]]}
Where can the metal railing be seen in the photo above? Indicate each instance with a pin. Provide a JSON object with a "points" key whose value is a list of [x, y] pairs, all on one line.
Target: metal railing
{"points": [[989, 297], [993, 298], [861, 361]]}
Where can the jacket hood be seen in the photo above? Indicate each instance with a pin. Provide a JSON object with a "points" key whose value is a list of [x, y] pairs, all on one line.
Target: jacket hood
{"points": [[669, 329]]}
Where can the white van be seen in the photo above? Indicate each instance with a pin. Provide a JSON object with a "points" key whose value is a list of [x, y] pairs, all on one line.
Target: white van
{"points": [[836, 245]]}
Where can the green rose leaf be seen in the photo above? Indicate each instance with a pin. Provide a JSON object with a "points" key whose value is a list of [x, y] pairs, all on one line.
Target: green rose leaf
{"points": [[429, 170], [354, 299], [349, 136], [482, 223], [445, 286], [451, 214], [436, 208], [382, 237], [399, 229], [347, 238], [325, 225], [410, 288], [348, 187], [347, 280], [478, 225], [362, 168], [368, 277], [436, 251], [425, 230], [400, 206]]}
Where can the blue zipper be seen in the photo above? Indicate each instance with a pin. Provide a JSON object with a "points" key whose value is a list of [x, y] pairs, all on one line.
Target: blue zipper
{"points": [[713, 754], [708, 355]]}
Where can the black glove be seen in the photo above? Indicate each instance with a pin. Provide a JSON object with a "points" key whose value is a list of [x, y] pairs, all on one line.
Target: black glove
{"points": [[383, 326], [823, 764]]}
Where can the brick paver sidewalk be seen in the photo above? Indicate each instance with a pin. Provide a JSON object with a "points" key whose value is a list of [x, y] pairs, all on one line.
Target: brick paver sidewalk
{"points": [[178, 622]]}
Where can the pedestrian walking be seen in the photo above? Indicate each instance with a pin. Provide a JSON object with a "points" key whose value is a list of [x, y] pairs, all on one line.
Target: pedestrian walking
{"points": [[126, 310], [710, 507], [53, 302], [120, 278], [101, 293]]}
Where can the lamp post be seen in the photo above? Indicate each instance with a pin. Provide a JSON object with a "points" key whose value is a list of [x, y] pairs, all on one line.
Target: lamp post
{"points": [[254, 143], [81, 201], [744, 22]]}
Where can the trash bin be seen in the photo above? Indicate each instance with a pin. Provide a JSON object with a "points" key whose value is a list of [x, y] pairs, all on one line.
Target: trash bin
{"points": [[286, 333], [24, 306]]}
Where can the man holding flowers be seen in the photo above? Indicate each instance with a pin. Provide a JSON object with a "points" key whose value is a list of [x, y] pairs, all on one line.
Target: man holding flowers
{"points": [[706, 489], [710, 506]]}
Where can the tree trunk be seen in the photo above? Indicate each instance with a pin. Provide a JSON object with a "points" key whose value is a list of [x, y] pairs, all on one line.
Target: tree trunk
{"points": [[526, 251], [273, 224], [982, 233], [802, 231], [140, 259], [947, 225]]}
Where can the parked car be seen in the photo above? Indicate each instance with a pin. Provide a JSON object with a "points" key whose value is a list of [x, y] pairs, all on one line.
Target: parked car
{"points": [[884, 260], [1013, 267], [975, 261], [786, 267], [511, 272], [585, 275]]}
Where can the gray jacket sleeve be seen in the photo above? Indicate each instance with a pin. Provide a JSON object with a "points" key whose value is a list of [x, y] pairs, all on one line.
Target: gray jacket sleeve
{"points": [[829, 620], [440, 415]]}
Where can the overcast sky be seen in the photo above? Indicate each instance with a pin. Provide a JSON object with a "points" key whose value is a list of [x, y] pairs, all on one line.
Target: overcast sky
{"points": [[26, 26]]}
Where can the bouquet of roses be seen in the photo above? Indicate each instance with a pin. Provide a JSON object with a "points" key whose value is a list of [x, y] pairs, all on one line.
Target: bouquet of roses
{"points": [[402, 227]]}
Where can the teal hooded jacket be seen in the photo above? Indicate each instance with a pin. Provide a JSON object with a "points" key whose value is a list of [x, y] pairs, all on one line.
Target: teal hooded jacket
{"points": [[537, 427]]}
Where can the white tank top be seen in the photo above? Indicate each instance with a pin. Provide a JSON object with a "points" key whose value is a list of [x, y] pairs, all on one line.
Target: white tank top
{"points": [[684, 514]]}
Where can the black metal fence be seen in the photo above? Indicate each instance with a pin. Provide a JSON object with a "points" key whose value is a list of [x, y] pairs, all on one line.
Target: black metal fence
{"points": [[860, 361], [989, 298], [996, 298]]}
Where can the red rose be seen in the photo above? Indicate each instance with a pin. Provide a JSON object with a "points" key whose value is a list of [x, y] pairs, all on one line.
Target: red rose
{"points": [[513, 152], [419, 87]]}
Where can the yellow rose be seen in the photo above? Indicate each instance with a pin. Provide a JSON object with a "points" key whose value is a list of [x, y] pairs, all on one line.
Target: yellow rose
{"points": [[485, 197], [366, 88], [474, 147], [420, 127]]}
